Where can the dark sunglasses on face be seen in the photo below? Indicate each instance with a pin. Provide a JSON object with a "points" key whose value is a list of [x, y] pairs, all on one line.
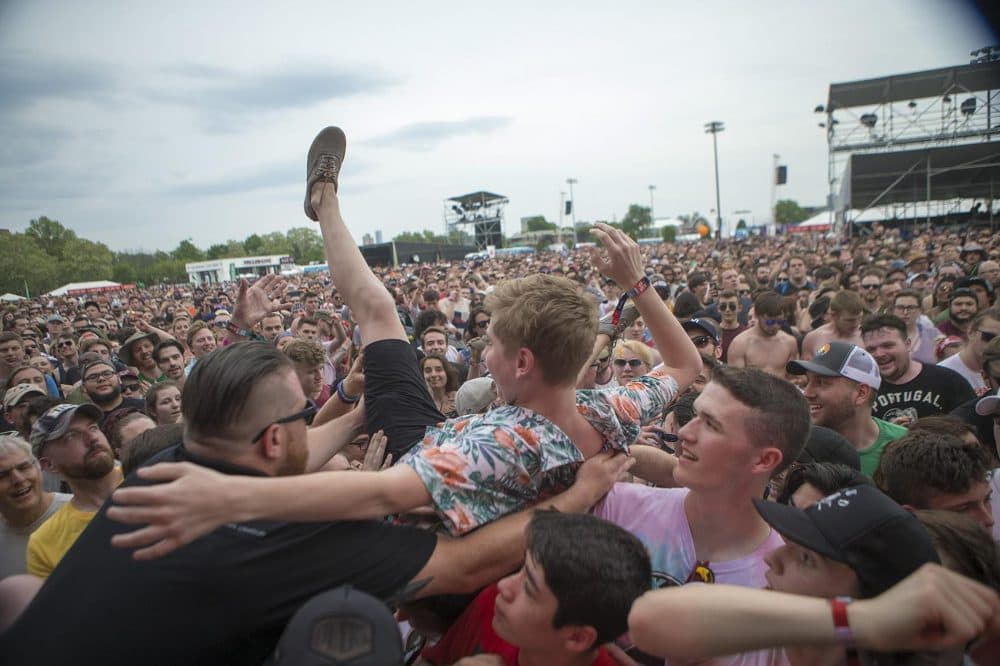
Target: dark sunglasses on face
{"points": [[66, 343], [723, 307], [306, 415], [632, 363], [774, 322], [701, 340], [483, 323], [870, 286], [131, 388]]}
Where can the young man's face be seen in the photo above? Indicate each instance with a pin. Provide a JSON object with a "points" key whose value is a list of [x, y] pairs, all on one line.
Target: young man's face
{"points": [[270, 327], [832, 400], [713, 450], [798, 570], [12, 353], [906, 308], [29, 376], [963, 308], [525, 608], [310, 378], [890, 351], [101, 383], [171, 363], [770, 324], [729, 309], [729, 279], [796, 269], [846, 322], [142, 353], [435, 343], [870, 285], [975, 503], [203, 342], [308, 331]]}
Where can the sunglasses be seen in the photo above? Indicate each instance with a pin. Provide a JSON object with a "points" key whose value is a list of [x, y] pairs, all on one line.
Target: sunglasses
{"points": [[774, 322], [306, 415], [483, 323], [131, 388], [723, 307], [701, 340], [743, 292], [633, 363], [66, 343], [870, 286]]}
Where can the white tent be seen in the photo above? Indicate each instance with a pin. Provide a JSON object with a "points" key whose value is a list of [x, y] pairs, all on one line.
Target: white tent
{"points": [[10, 298], [75, 288]]}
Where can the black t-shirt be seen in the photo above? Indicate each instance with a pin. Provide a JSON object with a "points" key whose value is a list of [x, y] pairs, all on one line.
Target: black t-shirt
{"points": [[936, 390], [966, 412], [133, 403], [224, 599]]}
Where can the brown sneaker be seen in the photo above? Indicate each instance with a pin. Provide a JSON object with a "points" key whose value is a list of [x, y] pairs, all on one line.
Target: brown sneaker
{"points": [[326, 156]]}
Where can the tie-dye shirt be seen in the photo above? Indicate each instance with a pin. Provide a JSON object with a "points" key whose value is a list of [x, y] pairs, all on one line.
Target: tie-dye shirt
{"points": [[480, 468]]}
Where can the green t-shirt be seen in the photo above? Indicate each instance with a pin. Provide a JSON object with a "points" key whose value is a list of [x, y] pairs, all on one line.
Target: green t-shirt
{"points": [[886, 433]]}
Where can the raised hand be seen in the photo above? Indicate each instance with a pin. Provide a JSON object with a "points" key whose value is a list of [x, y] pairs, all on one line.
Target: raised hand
{"points": [[619, 257], [375, 457], [598, 474], [253, 303]]}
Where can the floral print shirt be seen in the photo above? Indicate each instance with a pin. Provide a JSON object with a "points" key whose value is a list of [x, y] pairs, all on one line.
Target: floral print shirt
{"points": [[482, 467]]}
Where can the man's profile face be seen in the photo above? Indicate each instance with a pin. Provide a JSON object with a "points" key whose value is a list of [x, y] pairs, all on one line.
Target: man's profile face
{"points": [[435, 343], [20, 482], [525, 609], [797, 570]]}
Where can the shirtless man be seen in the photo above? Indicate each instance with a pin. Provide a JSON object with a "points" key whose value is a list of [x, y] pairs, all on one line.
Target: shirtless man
{"points": [[765, 345], [846, 310]]}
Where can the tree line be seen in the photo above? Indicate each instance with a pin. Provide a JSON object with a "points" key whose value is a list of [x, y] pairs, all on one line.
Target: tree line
{"points": [[47, 255]]}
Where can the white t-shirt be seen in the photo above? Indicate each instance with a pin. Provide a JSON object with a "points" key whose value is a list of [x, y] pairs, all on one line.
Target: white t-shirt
{"points": [[657, 518], [975, 378]]}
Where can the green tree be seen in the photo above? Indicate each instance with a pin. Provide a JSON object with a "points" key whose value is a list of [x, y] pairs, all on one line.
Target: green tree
{"points": [[539, 223], [84, 261], [124, 273], [275, 243], [742, 224], [425, 236], [253, 244], [228, 250], [23, 263], [187, 251], [50, 235], [306, 244], [669, 233], [788, 211], [636, 220]]}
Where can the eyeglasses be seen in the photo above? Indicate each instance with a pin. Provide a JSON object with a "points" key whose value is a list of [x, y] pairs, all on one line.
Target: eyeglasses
{"points": [[701, 340], [632, 363], [774, 322], [306, 415], [107, 374], [723, 307], [483, 323], [870, 286], [905, 308]]}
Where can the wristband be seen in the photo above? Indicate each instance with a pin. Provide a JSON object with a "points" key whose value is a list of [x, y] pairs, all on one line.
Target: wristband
{"points": [[242, 332], [838, 607], [349, 399], [637, 289]]}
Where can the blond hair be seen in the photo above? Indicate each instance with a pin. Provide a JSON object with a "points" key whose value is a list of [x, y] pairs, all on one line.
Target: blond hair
{"points": [[637, 348], [547, 315]]}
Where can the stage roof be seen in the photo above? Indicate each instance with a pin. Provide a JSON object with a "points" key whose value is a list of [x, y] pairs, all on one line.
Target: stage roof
{"points": [[915, 85], [969, 171], [475, 200]]}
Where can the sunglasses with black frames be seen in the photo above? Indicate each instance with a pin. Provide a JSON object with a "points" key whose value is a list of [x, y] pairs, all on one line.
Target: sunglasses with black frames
{"points": [[632, 363], [306, 415]]}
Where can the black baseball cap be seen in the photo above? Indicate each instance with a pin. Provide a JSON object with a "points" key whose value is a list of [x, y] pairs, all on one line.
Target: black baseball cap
{"points": [[860, 526], [829, 446], [703, 324]]}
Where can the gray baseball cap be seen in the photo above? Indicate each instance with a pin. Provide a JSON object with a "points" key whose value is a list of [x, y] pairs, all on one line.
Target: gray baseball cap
{"points": [[53, 423]]}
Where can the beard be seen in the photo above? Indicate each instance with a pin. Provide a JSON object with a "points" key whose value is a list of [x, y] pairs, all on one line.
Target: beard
{"points": [[94, 466], [107, 398], [296, 460]]}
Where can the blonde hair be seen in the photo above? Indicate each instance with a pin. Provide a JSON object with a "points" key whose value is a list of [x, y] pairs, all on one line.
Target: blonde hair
{"points": [[547, 315], [637, 348]]}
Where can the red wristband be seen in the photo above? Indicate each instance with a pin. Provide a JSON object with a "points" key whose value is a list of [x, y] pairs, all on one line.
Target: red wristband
{"points": [[838, 607]]}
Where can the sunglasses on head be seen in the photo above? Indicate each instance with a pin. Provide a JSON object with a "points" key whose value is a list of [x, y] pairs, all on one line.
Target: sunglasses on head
{"points": [[632, 363]]}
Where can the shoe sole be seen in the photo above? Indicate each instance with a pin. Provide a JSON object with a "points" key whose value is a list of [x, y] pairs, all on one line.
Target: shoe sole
{"points": [[326, 156]]}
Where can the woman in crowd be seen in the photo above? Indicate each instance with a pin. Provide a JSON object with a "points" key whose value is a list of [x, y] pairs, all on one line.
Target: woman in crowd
{"points": [[442, 381], [937, 302], [200, 340], [630, 359], [163, 403], [475, 341]]}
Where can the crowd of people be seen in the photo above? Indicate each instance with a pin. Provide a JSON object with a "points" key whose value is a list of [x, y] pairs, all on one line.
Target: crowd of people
{"points": [[777, 450]]}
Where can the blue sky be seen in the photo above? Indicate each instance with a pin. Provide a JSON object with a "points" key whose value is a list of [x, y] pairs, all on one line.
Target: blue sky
{"points": [[140, 124]]}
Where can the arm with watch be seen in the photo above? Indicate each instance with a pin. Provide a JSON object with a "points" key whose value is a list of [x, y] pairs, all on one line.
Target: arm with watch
{"points": [[680, 357]]}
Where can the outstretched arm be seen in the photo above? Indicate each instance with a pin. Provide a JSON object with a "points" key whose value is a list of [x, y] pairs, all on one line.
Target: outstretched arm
{"points": [[932, 609], [198, 500]]}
